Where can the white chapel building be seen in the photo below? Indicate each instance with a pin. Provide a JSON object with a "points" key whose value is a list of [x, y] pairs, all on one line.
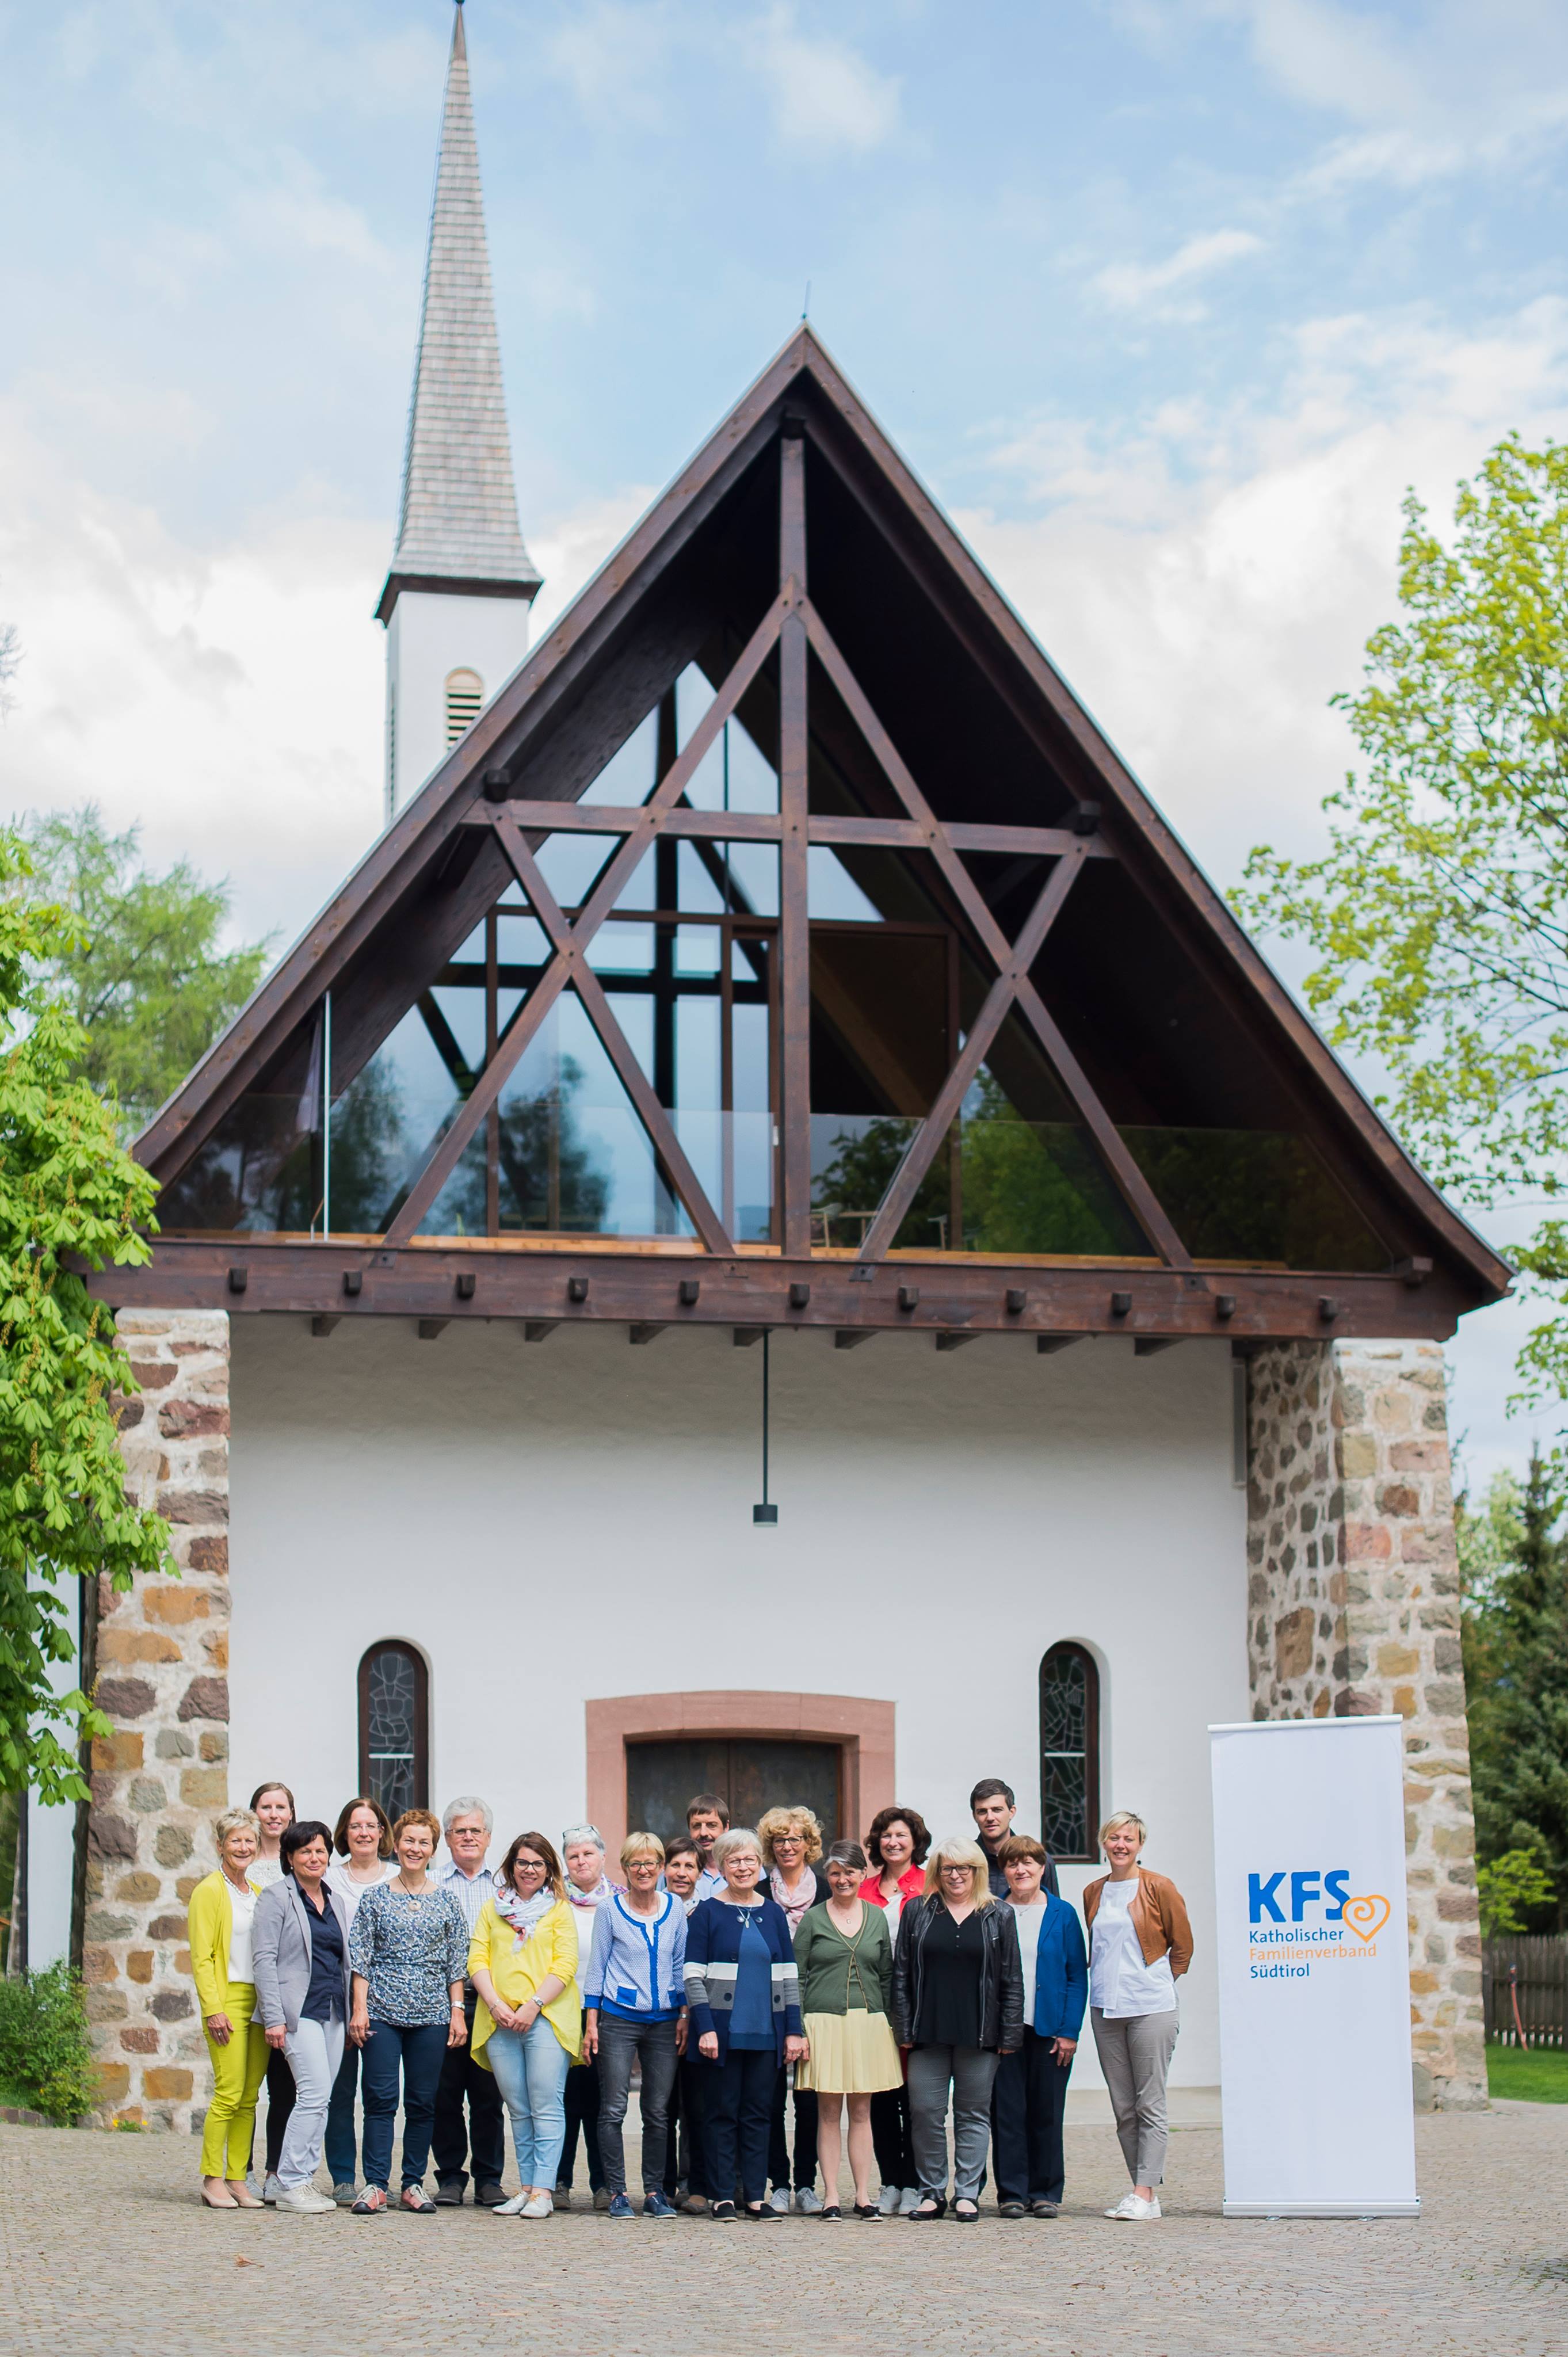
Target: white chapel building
{"points": [[775, 1056]]}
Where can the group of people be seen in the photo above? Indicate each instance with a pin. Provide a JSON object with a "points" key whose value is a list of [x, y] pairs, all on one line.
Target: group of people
{"points": [[741, 1974]]}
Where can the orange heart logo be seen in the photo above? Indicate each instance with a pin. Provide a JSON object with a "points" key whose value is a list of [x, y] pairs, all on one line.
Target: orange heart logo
{"points": [[1366, 1915]]}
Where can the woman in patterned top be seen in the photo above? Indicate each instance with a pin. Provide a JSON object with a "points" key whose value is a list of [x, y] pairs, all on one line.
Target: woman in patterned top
{"points": [[409, 1952]]}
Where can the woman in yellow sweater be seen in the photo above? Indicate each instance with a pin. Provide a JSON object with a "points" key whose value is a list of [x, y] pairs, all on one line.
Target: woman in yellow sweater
{"points": [[222, 1907], [528, 2024]]}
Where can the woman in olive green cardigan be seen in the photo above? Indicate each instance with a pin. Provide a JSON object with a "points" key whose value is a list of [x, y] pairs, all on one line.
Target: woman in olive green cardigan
{"points": [[844, 1958]]}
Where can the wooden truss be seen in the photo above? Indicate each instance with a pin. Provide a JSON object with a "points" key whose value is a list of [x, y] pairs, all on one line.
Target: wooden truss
{"points": [[794, 627]]}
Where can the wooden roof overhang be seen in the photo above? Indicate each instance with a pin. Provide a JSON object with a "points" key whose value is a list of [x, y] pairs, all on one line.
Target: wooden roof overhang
{"points": [[669, 597]]}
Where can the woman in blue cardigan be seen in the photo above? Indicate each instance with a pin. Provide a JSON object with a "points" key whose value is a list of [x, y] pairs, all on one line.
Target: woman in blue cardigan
{"points": [[743, 2000], [1029, 2095]]}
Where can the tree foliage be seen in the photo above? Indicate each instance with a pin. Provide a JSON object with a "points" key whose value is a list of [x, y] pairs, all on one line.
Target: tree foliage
{"points": [[67, 1190], [140, 969], [1439, 914], [1515, 1634]]}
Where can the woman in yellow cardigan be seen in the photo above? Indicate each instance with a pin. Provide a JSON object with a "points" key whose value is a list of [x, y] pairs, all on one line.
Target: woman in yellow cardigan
{"points": [[222, 1907], [528, 2024]]}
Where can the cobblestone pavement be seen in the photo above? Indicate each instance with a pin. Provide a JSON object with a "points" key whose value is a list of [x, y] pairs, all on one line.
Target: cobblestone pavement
{"points": [[108, 2250]]}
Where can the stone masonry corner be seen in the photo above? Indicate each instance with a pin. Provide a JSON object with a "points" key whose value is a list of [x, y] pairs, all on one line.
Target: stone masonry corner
{"points": [[1353, 1609]]}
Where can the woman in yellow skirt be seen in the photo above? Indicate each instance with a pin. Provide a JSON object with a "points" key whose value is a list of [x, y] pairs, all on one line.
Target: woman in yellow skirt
{"points": [[844, 1959]]}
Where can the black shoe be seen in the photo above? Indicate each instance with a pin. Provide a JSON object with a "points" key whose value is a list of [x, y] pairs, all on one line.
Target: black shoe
{"points": [[968, 2217], [450, 2197], [867, 2210], [1045, 2209], [723, 2214], [1011, 2210], [489, 2197], [764, 2214], [922, 2216], [831, 2210]]}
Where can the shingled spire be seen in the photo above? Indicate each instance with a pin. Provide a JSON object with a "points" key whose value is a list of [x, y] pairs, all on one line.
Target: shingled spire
{"points": [[459, 522]]}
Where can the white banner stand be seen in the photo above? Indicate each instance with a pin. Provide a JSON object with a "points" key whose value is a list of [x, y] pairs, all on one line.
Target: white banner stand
{"points": [[1314, 1961]]}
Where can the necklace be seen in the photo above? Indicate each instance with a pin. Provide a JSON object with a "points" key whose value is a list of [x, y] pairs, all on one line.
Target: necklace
{"points": [[416, 1896]]}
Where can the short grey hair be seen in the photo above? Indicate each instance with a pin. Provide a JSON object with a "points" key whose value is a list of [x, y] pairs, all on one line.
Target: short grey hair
{"points": [[231, 1821], [733, 1838], [582, 1833], [467, 1804]]}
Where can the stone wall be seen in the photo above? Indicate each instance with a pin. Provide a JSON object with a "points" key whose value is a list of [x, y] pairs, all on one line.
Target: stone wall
{"points": [[1354, 1609], [158, 1782]]}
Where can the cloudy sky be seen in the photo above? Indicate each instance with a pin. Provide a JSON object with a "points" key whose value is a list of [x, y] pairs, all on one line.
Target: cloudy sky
{"points": [[1167, 300]]}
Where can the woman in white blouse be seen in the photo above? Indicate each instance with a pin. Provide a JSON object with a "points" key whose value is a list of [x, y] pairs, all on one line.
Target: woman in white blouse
{"points": [[362, 1858], [1140, 1945], [273, 1808], [223, 1906]]}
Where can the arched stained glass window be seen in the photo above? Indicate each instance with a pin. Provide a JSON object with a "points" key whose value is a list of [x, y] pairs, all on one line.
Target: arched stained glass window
{"points": [[1069, 1753], [394, 1716]]}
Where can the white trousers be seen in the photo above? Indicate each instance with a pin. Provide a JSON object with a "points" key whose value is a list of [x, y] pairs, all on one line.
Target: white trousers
{"points": [[315, 2050]]}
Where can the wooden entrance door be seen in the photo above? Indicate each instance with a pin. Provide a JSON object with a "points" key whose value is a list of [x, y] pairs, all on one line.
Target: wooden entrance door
{"points": [[752, 1772]]}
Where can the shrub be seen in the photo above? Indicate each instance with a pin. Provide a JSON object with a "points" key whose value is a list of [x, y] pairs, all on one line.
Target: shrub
{"points": [[46, 2050]]}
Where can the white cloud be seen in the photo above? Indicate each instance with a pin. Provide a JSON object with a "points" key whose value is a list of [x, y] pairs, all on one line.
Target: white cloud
{"points": [[1130, 286], [824, 94]]}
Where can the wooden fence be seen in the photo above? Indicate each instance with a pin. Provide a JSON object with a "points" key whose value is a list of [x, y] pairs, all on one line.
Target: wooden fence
{"points": [[1534, 1968]]}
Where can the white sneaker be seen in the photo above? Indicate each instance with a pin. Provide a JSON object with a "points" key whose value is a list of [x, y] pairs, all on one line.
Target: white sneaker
{"points": [[778, 2200], [270, 2189], [807, 2201], [1133, 2205], [303, 2200], [542, 2206], [908, 2200], [888, 2202]]}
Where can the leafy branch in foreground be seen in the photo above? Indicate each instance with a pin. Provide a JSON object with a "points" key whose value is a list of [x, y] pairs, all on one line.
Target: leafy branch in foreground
{"points": [[67, 1190]]}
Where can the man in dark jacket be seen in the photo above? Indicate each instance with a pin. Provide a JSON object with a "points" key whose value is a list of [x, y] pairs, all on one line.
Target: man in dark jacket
{"points": [[991, 1805]]}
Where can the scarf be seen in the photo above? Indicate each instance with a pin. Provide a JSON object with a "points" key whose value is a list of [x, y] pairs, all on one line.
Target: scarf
{"points": [[523, 1914], [604, 1888]]}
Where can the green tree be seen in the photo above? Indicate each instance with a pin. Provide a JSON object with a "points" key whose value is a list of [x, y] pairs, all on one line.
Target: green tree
{"points": [[140, 969], [68, 1194], [1511, 1887], [1515, 1636], [1438, 917]]}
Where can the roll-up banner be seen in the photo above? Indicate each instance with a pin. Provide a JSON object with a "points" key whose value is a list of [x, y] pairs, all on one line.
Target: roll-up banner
{"points": [[1315, 2060]]}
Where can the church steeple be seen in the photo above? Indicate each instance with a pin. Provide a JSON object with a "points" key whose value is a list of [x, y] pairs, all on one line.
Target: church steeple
{"points": [[456, 597]]}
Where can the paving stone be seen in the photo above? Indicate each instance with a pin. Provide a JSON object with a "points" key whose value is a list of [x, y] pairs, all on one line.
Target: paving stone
{"points": [[107, 2246]]}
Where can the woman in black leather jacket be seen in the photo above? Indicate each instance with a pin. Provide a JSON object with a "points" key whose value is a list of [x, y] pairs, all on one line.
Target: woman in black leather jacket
{"points": [[958, 2005]]}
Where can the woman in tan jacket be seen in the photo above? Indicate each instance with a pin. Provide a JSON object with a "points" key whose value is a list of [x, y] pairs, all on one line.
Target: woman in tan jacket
{"points": [[1140, 1943]]}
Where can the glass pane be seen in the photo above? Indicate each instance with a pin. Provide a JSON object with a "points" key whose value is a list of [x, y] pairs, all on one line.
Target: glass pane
{"points": [[831, 890], [1036, 1185], [569, 864], [1064, 1754], [575, 1157], [855, 1158], [392, 1730], [386, 1122], [1254, 1195], [733, 774], [628, 776]]}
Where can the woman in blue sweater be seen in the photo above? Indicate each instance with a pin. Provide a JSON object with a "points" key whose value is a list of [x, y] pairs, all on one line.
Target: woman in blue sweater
{"points": [[743, 2000], [634, 1992], [1028, 2096]]}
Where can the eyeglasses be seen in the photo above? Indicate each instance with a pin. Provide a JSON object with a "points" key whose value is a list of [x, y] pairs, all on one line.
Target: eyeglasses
{"points": [[959, 1873]]}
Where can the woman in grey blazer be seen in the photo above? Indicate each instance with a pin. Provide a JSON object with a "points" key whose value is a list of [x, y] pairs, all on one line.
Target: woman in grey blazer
{"points": [[299, 1946]]}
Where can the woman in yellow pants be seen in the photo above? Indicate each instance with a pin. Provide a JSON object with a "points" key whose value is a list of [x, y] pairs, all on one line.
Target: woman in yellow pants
{"points": [[222, 1907]]}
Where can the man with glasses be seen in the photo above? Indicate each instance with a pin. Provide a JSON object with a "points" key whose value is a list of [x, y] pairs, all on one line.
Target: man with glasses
{"points": [[467, 1827]]}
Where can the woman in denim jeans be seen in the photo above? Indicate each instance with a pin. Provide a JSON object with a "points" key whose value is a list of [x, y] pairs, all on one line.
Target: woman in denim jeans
{"points": [[635, 1995], [526, 2024], [407, 1951]]}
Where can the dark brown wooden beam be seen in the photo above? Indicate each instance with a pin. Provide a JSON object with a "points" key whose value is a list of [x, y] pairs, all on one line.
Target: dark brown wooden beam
{"points": [[794, 915], [751, 1293], [766, 826]]}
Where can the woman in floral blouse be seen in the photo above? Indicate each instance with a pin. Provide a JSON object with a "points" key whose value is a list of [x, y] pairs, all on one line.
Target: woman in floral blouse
{"points": [[409, 1952]]}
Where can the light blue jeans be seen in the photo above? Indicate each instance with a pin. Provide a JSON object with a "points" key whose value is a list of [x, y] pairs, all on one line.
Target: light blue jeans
{"points": [[531, 2067]]}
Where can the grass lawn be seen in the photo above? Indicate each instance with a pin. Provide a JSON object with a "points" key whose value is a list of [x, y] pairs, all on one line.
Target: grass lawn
{"points": [[1537, 2074]]}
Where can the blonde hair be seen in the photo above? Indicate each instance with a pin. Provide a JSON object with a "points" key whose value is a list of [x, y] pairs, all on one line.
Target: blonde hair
{"points": [[1125, 1817], [775, 1822], [231, 1821], [639, 1845], [958, 1850]]}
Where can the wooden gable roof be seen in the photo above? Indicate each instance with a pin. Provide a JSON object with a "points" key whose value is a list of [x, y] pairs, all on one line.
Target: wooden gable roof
{"points": [[957, 737]]}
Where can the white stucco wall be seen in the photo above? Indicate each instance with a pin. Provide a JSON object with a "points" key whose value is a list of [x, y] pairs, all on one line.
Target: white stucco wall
{"points": [[431, 633], [570, 1519]]}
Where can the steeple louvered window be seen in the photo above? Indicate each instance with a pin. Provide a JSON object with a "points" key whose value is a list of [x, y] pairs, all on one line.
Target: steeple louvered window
{"points": [[465, 694]]}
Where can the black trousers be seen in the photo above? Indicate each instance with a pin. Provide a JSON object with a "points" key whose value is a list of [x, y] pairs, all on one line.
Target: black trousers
{"points": [[463, 2081], [683, 2163], [581, 2113], [1028, 2100], [805, 2163], [734, 2121], [280, 2103], [890, 2138]]}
